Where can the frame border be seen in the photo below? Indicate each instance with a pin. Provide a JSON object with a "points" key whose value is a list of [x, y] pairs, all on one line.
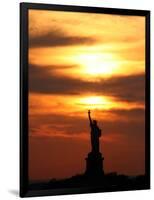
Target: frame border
{"points": [[24, 7]]}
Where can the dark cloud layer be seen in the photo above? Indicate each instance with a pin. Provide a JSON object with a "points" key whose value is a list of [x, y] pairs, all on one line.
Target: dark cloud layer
{"points": [[58, 38], [127, 88], [132, 115]]}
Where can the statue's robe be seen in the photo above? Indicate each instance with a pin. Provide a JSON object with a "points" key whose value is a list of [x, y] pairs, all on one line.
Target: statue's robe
{"points": [[95, 134]]}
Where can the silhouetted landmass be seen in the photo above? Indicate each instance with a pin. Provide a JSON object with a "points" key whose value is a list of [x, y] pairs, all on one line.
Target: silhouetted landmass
{"points": [[108, 182]]}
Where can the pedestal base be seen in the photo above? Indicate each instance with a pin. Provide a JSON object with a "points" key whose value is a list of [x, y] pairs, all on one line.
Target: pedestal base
{"points": [[94, 165]]}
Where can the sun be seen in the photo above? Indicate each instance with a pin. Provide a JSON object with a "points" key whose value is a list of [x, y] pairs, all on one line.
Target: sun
{"points": [[97, 64], [95, 102]]}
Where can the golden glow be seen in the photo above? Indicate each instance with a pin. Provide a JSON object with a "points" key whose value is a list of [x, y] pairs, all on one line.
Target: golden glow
{"points": [[97, 64], [86, 63], [76, 105], [93, 102]]}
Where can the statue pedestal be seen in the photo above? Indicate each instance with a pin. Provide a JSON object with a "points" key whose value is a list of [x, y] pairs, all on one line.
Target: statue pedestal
{"points": [[94, 165]]}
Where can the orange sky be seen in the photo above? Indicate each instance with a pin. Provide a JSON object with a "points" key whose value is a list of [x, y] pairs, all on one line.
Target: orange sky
{"points": [[81, 61]]}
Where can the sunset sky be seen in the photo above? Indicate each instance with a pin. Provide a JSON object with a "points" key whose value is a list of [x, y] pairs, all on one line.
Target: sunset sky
{"points": [[81, 61]]}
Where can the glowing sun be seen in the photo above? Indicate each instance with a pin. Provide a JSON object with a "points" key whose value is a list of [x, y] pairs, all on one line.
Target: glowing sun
{"points": [[97, 64]]}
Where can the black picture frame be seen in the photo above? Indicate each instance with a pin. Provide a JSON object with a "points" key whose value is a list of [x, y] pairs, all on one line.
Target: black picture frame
{"points": [[24, 7]]}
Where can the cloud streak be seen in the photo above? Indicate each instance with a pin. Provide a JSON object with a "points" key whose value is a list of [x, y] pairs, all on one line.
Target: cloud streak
{"points": [[57, 38], [129, 122], [126, 88]]}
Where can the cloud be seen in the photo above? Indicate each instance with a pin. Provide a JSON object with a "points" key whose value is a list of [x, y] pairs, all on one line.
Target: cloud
{"points": [[135, 114], [127, 122], [57, 38], [128, 88], [53, 124]]}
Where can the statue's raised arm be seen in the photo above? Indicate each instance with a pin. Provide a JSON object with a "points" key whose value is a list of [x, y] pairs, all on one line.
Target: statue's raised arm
{"points": [[89, 118]]}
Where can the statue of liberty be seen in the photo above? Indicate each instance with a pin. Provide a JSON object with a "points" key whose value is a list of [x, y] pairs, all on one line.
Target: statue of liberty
{"points": [[95, 134]]}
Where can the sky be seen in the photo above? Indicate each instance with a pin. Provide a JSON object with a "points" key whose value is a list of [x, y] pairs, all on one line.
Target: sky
{"points": [[77, 62]]}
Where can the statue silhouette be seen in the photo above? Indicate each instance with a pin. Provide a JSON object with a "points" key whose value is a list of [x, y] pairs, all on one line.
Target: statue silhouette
{"points": [[94, 160], [95, 134]]}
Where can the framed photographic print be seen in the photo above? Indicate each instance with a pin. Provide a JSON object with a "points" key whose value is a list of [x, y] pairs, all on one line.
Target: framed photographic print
{"points": [[84, 99]]}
